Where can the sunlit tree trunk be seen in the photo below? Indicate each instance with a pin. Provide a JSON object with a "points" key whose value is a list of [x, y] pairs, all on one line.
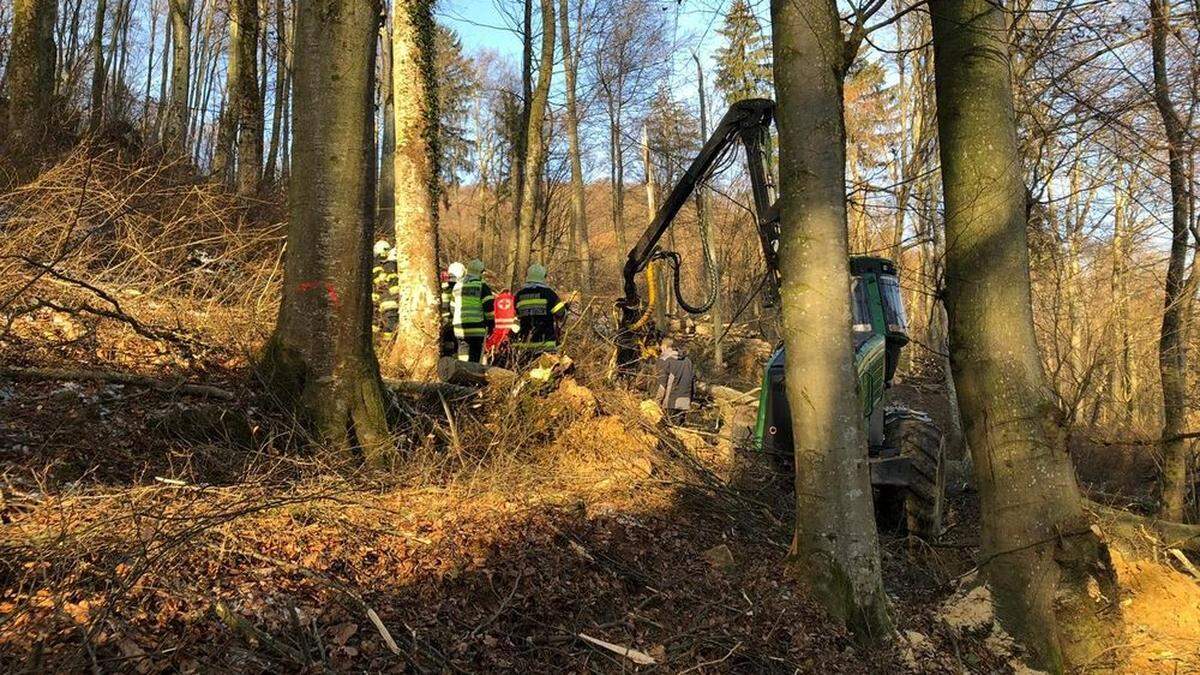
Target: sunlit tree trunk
{"points": [[30, 71], [535, 143], [1039, 553], [835, 544], [1172, 352], [712, 264], [224, 156], [579, 226], [320, 360], [175, 128], [414, 352], [387, 153]]}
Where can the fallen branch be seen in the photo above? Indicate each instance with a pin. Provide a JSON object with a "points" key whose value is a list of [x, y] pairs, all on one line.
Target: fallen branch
{"points": [[179, 386], [640, 658], [252, 634]]}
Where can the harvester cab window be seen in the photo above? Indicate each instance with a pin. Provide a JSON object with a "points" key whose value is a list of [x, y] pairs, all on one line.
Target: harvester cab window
{"points": [[859, 307], [893, 304]]}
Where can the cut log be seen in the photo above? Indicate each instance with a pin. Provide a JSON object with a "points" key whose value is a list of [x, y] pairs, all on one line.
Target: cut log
{"points": [[467, 373], [414, 388]]}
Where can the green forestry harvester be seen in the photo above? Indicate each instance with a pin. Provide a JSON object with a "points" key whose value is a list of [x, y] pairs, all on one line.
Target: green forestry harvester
{"points": [[905, 447]]}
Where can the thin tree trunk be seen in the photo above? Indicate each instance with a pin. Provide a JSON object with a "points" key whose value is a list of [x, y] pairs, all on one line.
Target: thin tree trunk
{"points": [[30, 71], [579, 226], [160, 113], [96, 114], [414, 352], [149, 67], [225, 152], [712, 267], [177, 114], [320, 361], [285, 162], [535, 154], [249, 102], [1172, 352], [387, 168], [1039, 552], [280, 92], [835, 541]]}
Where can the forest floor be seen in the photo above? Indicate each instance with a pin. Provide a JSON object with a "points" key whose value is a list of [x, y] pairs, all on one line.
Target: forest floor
{"points": [[149, 526]]}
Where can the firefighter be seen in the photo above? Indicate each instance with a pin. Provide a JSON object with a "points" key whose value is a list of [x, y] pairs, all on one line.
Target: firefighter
{"points": [[472, 312], [386, 290], [539, 313], [449, 278]]}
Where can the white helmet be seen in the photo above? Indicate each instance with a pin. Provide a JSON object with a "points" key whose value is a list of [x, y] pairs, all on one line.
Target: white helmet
{"points": [[382, 247], [457, 270]]}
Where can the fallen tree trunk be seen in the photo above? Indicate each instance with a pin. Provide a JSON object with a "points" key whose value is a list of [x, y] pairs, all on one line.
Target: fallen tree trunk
{"points": [[171, 386], [450, 391], [469, 373], [1133, 528]]}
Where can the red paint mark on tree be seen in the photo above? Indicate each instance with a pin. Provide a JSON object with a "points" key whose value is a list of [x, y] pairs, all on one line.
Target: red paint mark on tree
{"points": [[330, 291]]}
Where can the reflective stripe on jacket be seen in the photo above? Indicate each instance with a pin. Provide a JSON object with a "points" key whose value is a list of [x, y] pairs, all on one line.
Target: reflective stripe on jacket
{"points": [[538, 310], [472, 307]]}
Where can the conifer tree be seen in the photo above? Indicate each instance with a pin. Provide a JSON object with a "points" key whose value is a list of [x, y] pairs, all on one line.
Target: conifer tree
{"points": [[744, 62]]}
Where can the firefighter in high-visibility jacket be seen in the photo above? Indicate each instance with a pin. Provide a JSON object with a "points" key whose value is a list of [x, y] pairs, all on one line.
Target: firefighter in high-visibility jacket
{"points": [[385, 289], [539, 313], [449, 278], [472, 312]]}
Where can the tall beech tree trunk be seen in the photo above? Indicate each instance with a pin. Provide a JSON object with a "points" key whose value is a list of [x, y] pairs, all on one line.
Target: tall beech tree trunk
{"points": [[175, 128], [414, 352], [1039, 554], [835, 544], [96, 114], [30, 71], [320, 360], [535, 144], [579, 226], [387, 154], [1172, 349], [249, 101]]}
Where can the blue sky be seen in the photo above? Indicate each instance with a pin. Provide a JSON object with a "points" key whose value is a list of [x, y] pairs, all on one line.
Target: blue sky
{"points": [[482, 24]]}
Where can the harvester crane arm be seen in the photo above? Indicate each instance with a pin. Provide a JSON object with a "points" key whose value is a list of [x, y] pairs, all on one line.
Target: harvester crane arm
{"points": [[747, 121]]}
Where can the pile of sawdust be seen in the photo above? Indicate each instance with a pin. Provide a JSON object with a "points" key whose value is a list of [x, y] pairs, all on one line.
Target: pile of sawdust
{"points": [[604, 451], [1161, 610]]}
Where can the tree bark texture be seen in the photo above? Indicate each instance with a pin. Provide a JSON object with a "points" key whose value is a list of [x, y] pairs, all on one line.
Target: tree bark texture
{"points": [[176, 125], [96, 114], [835, 545], [579, 225], [1172, 350], [249, 100], [387, 153], [414, 352], [535, 144], [1039, 553], [320, 360], [30, 71]]}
